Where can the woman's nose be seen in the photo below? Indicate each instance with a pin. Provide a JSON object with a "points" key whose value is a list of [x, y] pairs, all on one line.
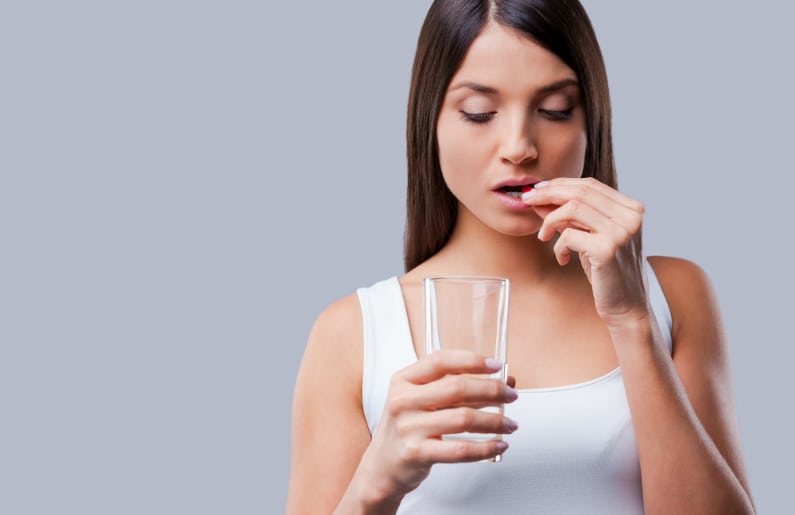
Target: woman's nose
{"points": [[518, 144]]}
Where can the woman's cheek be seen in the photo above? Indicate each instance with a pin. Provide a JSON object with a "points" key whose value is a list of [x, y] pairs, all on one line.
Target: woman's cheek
{"points": [[455, 156], [572, 155]]}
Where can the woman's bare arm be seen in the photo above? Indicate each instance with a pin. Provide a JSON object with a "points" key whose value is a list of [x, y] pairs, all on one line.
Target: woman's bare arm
{"points": [[683, 411], [329, 432]]}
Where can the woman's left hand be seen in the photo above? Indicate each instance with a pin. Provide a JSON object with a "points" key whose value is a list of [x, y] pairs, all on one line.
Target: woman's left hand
{"points": [[603, 227]]}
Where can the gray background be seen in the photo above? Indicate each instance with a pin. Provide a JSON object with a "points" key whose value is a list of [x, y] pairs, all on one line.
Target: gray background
{"points": [[185, 185]]}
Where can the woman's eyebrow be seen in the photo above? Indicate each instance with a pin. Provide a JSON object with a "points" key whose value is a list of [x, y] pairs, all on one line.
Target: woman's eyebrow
{"points": [[555, 86], [488, 90], [480, 88]]}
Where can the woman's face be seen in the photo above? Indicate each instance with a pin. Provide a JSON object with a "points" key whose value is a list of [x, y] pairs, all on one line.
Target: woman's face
{"points": [[512, 113]]}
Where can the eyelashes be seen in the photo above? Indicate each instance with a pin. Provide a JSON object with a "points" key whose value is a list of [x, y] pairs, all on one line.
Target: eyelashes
{"points": [[477, 117], [557, 115], [481, 118]]}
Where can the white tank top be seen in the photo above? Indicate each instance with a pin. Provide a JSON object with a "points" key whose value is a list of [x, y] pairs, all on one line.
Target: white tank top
{"points": [[575, 449]]}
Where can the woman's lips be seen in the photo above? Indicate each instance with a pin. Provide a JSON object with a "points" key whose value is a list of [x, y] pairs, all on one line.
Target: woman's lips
{"points": [[512, 202], [517, 183], [510, 192]]}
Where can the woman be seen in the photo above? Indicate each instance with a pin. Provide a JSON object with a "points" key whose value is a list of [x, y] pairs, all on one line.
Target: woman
{"points": [[622, 400]]}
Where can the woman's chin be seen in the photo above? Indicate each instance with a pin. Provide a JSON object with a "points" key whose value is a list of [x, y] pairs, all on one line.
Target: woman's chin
{"points": [[518, 226], [519, 230], [522, 234]]}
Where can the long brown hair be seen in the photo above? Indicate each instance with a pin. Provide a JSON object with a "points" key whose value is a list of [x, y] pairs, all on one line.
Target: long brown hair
{"points": [[450, 27]]}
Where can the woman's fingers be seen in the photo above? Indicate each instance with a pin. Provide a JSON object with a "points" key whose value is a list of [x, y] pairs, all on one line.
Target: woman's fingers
{"points": [[459, 451], [440, 395], [602, 199], [596, 249], [455, 390], [434, 424], [432, 451], [578, 215], [588, 207], [569, 240], [444, 362], [602, 196]]}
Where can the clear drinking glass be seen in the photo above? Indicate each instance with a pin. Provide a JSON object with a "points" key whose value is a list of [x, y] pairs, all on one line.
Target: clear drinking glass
{"points": [[468, 312]]}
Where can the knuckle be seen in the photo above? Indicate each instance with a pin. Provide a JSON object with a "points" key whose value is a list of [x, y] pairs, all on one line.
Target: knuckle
{"points": [[462, 450], [412, 452], [582, 191], [391, 408], [456, 386], [465, 418], [403, 427], [396, 404]]}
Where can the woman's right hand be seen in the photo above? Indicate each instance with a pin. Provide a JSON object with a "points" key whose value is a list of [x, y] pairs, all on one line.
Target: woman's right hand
{"points": [[427, 399]]}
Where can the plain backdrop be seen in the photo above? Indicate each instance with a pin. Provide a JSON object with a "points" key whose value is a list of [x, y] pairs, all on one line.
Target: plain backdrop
{"points": [[185, 185]]}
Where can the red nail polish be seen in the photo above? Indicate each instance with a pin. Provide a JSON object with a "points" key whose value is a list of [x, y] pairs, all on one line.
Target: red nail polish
{"points": [[527, 188]]}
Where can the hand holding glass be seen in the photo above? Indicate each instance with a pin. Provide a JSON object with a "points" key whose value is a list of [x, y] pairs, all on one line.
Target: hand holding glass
{"points": [[468, 313]]}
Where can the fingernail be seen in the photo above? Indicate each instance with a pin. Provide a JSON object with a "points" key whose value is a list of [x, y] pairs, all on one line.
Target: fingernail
{"points": [[493, 364], [540, 184], [510, 424], [528, 194], [510, 394], [502, 445]]}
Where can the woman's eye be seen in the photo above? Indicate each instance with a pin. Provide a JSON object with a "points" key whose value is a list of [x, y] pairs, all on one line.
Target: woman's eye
{"points": [[478, 117], [557, 115]]}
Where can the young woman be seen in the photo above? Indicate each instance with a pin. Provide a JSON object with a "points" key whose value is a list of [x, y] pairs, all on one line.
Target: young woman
{"points": [[622, 400]]}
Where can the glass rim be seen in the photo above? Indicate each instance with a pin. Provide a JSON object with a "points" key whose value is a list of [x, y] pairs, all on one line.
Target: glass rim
{"points": [[468, 279]]}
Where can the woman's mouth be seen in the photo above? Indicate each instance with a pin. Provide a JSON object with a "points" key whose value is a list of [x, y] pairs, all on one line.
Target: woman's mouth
{"points": [[511, 197], [516, 191]]}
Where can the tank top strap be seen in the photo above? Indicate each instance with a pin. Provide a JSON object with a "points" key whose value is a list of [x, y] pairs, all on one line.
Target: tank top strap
{"points": [[660, 307], [387, 344]]}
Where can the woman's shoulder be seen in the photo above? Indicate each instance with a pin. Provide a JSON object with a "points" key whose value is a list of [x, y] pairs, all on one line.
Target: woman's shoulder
{"points": [[333, 356], [337, 329], [337, 323], [678, 276], [674, 267], [688, 292]]}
